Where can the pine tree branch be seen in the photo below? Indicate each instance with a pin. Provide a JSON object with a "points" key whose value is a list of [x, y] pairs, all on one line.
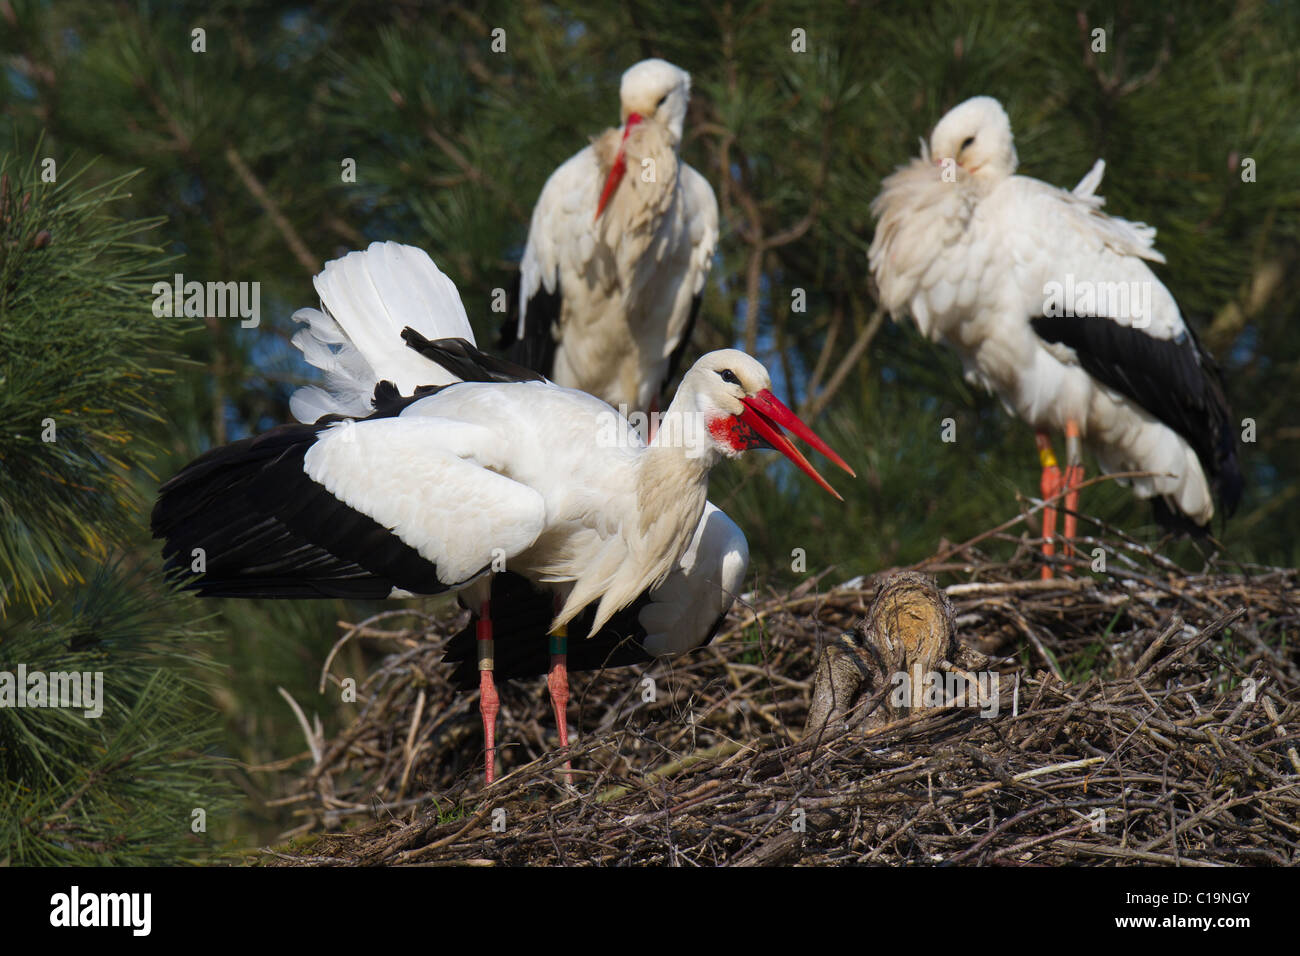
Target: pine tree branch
{"points": [[291, 238]]}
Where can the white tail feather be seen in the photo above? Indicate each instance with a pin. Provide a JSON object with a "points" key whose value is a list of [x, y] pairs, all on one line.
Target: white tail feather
{"points": [[1088, 184], [355, 338]]}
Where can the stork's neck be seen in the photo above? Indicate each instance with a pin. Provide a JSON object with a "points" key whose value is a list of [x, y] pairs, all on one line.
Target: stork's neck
{"points": [[682, 450], [674, 469]]}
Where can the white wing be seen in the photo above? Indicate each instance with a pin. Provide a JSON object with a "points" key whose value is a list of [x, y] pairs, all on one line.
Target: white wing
{"points": [[702, 217], [460, 514], [562, 234], [1047, 235], [355, 338]]}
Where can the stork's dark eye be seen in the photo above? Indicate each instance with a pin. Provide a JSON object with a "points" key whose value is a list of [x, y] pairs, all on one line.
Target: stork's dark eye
{"points": [[967, 141], [729, 377], [663, 99]]}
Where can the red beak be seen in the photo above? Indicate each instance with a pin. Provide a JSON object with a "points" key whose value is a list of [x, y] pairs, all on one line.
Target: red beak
{"points": [[617, 171], [766, 415]]}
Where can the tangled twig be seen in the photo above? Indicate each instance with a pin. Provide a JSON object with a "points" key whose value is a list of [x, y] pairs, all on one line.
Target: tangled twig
{"points": [[1168, 735]]}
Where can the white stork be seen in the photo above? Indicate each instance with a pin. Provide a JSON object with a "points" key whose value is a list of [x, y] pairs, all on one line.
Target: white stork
{"points": [[1051, 305], [621, 239], [424, 466]]}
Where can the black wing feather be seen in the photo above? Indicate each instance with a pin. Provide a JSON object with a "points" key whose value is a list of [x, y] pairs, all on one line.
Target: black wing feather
{"points": [[467, 362], [1175, 380], [521, 621], [268, 530], [675, 360], [536, 350]]}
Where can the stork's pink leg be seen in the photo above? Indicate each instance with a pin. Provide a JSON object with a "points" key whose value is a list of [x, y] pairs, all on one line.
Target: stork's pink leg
{"points": [[653, 419], [1050, 486], [488, 702], [557, 682], [1073, 479]]}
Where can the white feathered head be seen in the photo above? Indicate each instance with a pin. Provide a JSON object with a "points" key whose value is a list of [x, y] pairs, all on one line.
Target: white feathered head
{"points": [[657, 90], [976, 134]]}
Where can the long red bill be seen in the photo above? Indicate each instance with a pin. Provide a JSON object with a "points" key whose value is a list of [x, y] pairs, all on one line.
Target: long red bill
{"points": [[618, 170], [766, 415]]}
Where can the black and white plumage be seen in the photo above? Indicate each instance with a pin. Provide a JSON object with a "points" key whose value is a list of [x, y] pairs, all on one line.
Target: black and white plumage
{"points": [[1051, 305], [459, 466], [620, 242], [415, 492]]}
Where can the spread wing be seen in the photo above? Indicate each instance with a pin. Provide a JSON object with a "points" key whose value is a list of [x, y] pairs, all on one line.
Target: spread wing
{"points": [[346, 509]]}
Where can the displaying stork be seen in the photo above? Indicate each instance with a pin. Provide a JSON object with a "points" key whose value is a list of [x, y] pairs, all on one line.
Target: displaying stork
{"points": [[620, 243], [1051, 305], [406, 478]]}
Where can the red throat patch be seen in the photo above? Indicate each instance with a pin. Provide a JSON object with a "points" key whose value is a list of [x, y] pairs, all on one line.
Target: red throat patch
{"points": [[734, 433]]}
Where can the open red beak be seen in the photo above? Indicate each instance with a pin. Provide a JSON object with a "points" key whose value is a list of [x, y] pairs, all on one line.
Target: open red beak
{"points": [[618, 170], [766, 415]]}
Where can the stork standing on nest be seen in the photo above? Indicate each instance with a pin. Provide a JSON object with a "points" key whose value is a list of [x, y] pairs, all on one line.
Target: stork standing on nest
{"points": [[621, 240], [405, 478], [1051, 305]]}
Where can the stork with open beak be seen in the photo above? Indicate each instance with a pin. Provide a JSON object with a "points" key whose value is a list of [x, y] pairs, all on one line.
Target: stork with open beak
{"points": [[442, 481], [621, 240], [1052, 305]]}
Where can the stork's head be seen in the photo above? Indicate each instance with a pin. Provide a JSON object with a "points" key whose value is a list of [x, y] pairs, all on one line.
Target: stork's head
{"points": [[731, 392], [653, 91], [976, 134], [656, 91]]}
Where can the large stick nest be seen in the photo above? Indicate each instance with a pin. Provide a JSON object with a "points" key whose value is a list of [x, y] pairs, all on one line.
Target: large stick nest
{"points": [[1147, 715]]}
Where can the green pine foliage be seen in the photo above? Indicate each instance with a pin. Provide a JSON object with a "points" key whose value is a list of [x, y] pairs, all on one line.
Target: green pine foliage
{"points": [[121, 788], [78, 348], [82, 362]]}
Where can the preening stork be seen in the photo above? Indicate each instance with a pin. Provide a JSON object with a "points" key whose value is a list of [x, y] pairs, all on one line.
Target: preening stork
{"points": [[1051, 305], [424, 466], [621, 239]]}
